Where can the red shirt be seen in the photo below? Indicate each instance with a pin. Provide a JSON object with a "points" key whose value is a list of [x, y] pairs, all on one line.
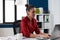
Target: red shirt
{"points": [[27, 28]]}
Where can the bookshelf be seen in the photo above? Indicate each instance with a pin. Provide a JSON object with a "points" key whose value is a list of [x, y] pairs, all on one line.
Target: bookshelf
{"points": [[44, 19]]}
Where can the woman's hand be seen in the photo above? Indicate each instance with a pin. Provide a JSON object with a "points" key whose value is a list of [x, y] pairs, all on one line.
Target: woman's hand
{"points": [[44, 35], [47, 35]]}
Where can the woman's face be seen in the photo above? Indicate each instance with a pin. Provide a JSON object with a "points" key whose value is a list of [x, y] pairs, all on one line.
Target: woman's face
{"points": [[31, 13]]}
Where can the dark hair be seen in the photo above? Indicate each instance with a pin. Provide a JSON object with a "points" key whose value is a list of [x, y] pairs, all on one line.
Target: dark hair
{"points": [[28, 7]]}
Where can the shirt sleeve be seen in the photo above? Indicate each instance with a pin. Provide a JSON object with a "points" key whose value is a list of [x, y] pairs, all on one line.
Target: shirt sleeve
{"points": [[24, 29], [37, 30]]}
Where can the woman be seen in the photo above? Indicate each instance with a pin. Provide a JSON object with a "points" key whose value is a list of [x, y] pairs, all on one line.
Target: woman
{"points": [[29, 24]]}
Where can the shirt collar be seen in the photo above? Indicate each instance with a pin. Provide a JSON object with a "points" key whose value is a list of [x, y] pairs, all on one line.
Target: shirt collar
{"points": [[29, 19]]}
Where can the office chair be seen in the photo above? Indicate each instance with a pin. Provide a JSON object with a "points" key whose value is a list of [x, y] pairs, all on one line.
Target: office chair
{"points": [[16, 26], [56, 33]]}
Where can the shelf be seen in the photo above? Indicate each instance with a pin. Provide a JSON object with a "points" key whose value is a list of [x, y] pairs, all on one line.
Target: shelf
{"points": [[45, 22], [44, 18], [42, 14], [47, 11]]}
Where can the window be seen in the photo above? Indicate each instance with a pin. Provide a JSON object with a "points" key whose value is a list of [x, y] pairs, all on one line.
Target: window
{"points": [[1, 11], [9, 11], [12, 10]]}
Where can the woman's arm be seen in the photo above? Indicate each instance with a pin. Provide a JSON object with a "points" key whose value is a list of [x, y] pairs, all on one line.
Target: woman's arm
{"points": [[33, 35], [39, 35]]}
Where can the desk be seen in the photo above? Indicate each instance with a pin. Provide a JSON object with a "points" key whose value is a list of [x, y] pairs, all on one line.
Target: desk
{"points": [[16, 37], [34, 39], [30, 39], [13, 38]]}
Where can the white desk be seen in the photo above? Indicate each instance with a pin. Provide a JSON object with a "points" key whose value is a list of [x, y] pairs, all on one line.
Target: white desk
{"points": [[13, 38], [17, 37], [30, 39], [34, 39]]}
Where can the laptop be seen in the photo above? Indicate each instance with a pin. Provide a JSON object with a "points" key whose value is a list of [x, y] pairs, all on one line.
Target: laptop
{"points": [[55, 35]]}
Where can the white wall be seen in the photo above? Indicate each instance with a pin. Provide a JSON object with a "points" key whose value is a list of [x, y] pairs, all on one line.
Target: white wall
{"points": [[21, 9], [6, 32], [54, 8]]}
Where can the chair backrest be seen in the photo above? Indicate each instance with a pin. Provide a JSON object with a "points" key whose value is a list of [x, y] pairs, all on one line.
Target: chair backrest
{"points": [[16, 26], [56, 32]]}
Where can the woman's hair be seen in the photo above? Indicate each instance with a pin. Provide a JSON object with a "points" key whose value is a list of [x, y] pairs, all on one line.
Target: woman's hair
{"points": [[28, 7]]}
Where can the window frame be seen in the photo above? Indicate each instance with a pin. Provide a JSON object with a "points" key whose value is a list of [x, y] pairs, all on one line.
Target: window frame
{"points": [[15, 16], [15, 11]]}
